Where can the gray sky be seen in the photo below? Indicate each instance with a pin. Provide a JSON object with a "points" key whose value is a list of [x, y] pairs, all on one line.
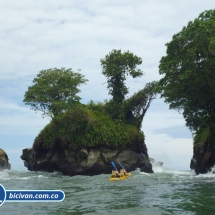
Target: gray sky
{"points": [[37, 35]]}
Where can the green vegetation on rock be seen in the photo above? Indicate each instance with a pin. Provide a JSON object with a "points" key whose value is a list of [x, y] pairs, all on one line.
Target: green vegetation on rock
{"points": [[136, 106], [114, 124], [83, 127]]}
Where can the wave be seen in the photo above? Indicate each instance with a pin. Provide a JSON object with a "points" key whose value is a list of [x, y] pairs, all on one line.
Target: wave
{"points": [[180, 172], [4, 174], [157, 167], [25, 175], [210, 174]]}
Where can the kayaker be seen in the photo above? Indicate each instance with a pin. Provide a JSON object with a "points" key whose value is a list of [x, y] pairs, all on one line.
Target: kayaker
{"points": [[115, 173], [123, 171]]}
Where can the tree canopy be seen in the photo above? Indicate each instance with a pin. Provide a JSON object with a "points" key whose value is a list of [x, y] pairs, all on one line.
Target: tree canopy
{"points": [[54, 91], [188, 82], [116, 65]]}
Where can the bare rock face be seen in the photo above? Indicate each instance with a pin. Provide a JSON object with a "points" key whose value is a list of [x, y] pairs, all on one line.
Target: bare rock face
{"points": [[4, 164], [86, 161], [203, 159]]}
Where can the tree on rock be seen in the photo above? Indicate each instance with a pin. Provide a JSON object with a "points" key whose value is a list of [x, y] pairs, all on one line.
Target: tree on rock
{"points": [[116, 65], [136, 106], [188, 84], [54, 91]]}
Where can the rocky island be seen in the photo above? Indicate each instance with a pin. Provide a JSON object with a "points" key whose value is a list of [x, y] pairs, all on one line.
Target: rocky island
{"points": [[4, 161], [83, 139]]}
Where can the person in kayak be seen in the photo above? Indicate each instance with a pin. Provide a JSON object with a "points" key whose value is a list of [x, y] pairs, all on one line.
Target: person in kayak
{"points": [[115, 173], [123, 171]]}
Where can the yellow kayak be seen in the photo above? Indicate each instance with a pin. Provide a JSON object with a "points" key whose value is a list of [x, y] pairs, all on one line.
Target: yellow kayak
{"points": [[120, 178]]}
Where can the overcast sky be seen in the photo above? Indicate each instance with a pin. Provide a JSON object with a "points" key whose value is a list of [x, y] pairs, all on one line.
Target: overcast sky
{"points": [[37, 35]]}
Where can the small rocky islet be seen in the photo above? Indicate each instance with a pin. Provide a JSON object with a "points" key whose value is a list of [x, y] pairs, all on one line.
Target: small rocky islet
{"points": [[4, 161]]}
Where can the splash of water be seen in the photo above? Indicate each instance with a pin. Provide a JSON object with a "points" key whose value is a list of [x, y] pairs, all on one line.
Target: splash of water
{"points": [[157, 167]]}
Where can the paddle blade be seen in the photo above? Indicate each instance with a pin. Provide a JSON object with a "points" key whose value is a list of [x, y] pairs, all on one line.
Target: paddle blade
{"points": [[113, 164], [121, 165]]}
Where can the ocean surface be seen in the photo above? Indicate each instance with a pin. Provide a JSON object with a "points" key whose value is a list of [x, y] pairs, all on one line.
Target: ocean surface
{"points": [[164, 192]]}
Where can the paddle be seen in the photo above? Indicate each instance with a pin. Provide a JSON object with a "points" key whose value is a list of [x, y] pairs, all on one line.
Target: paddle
{"points": [[113, 164], [126, 174], [121, 165]]}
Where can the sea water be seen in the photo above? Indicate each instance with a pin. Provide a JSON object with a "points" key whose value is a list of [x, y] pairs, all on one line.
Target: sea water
{"points": [[164, 192]]}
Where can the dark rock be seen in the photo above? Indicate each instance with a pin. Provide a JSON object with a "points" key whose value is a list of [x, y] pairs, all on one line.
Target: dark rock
{"points": [[82, 154], [146, 167], [108, 155], [192, 163], [203, 157], [4, 164], [25, 154], [127, 156], [90, 161]]}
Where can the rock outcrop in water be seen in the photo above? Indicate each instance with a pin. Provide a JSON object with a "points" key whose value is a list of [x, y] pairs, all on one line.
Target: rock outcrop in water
{"points": [[84, 141], [4, 163], [86, 161], [203, 157]]}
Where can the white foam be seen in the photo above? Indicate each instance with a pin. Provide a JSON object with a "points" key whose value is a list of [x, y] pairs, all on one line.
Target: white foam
{"points": [[208, 175], [180, 172], [4, 175], [144, 173], [156, 166], [157, 169], [16, 175], [30, 177], [23, 178]]}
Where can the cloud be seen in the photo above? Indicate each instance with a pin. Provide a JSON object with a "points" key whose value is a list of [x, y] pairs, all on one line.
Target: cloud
{"points": [[174, 153], [166, 137], [17, 120], [175, 132], [160, 117], [40, 35]]}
